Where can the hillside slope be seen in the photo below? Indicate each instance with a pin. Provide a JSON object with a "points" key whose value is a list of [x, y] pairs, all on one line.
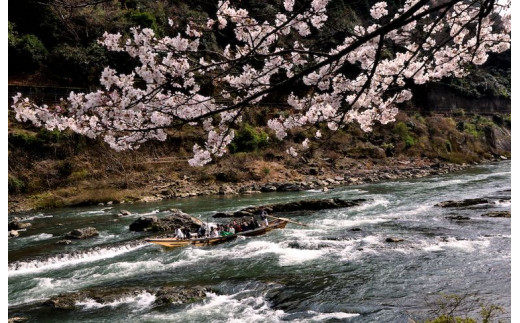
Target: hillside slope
{"points": [[52, 169]]}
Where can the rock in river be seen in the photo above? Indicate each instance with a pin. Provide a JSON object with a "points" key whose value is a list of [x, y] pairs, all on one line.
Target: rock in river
{"points": [[163, 295], [394, 239], [176, 219], [303, 205], [17, 224], [82, 233], [498, 214], [458, 217], [463, 203], [13, 234], [143, 223]]}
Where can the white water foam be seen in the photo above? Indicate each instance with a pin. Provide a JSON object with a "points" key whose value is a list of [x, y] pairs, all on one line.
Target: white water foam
{"points": [[440, 244], [338, 224], [64, 260], [92, 212], [45, 286], [237, 309], [253, 249], [37, 216], [139, 302], [319, 317], [501, 202], [148, 213], [38, 237], [419, 210], [224, 308], [378, 201]]}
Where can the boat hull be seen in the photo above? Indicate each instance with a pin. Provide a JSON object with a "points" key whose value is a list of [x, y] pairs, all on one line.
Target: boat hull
{"points": [[276, 224], [201, 242], [176, 243]]}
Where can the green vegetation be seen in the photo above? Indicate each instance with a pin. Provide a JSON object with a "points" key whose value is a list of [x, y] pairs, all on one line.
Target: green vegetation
{"points": [[248, 139], [143, 19], [14, 185], [457, 309], [403, 133], [27, 48]]}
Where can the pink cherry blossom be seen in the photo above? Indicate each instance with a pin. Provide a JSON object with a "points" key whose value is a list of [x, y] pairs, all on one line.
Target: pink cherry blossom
{"points": [[429, 40]]}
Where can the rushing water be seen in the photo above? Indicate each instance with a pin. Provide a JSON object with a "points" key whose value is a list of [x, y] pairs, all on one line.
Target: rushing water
{"points": [[325, 272]]}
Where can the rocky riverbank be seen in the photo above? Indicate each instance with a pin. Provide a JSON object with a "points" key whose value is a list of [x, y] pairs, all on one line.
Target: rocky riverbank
{"points": [[310, 178], [307, 178]]}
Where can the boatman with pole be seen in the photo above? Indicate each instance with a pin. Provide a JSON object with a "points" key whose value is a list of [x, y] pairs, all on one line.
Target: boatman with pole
{"points": [[263, 216]]}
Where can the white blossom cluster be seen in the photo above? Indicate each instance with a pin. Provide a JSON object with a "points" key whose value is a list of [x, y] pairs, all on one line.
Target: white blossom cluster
{"points": [[426, 41]]}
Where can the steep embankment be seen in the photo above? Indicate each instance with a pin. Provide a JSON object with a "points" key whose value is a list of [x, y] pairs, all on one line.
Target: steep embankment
{"points": [[51, 169]]}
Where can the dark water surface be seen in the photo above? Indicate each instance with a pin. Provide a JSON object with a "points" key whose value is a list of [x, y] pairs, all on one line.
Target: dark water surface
{"points": [[326, 272]]}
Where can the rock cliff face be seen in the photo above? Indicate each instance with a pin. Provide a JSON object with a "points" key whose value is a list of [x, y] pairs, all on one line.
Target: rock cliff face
{"points": [[499, 139], [441, 98]]}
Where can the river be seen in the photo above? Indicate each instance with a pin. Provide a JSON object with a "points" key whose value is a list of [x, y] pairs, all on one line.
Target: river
{"points": [[338, 269]]}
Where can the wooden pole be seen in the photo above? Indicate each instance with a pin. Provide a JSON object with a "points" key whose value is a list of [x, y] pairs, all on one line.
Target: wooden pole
{"points": [[291, 221]]}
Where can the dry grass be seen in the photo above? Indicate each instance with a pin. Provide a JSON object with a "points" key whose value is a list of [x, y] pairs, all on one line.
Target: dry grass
{"points": [[77, 171]]}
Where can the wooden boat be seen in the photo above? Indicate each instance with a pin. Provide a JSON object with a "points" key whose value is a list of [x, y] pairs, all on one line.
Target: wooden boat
{"points": [[275, 224], [200, 242]]}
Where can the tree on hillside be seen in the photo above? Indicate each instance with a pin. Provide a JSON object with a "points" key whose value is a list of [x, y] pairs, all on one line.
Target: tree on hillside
{"points": [[177, 81]]}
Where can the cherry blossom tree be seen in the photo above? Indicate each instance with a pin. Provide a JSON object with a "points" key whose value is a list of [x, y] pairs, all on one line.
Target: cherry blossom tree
{"points": [[363, 79]]}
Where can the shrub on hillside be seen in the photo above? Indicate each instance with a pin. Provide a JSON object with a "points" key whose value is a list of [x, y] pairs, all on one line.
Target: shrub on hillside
{"points": [[404, 135], [248, 139], [15, 185]]}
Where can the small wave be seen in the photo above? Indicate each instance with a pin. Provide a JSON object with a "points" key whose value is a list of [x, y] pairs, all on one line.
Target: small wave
{"points": [[335, 223], [38, 237], [501, 202], [419, 210], [37, 216], [377, 201], [149, 213], [319, 317], [91, 212], [453, 243], [139, 302], [69, 259]]}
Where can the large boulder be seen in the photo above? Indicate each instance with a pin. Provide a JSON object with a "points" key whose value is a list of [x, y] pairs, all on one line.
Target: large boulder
{"points": [[143, 223], [303, 205], [226, 190], [289, 187], [63, 301], [176, 219], [82, 233], [179, 295]]}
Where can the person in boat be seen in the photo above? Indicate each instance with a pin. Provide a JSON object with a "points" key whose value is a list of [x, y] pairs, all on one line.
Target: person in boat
{"points": [[225, 231], [213, 233], [263, 216], [187, 233], [201, 232], [179, 234], [237, 226], [254, 223], [231, 229]]}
